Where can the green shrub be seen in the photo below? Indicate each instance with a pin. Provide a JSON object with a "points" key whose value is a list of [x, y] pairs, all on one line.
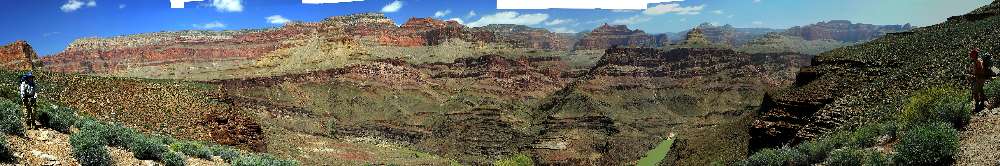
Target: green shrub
{"points": [[57, 118], [146, 147], [852, 156], [173, 158], [119, 136], [261, 160], [224, 152], [769, 157], [992, 89], [6, 154], [11, 121], [88, 149], [931, 144], [192, 148], [332, 126], [937, 105], [874, 158], [515, 160], [846, 157], [868, 135]]}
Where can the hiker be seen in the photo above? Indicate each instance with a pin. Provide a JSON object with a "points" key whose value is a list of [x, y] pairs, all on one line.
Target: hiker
{"points": [[978, 80], [28, 93]]}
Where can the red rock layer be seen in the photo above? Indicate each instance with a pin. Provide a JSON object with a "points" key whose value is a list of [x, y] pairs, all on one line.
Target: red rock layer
{"points": [[17, 56]]}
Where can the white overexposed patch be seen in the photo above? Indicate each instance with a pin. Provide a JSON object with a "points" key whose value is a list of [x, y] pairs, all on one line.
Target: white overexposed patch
{"points": [[327, 1], [577, 4], [177, 4]]}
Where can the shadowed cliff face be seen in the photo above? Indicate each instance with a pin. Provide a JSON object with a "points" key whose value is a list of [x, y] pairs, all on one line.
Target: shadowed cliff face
{"points": [[871, 81], [18, 56]]}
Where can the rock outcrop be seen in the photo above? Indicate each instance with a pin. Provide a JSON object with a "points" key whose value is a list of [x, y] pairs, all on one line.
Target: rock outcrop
{"points": [[18, 56], [606, 36], [845, 31], [728, 35]]}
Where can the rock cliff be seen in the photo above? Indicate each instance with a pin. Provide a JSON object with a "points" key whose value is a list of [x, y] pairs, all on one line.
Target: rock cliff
{"points": [[606, 36], [18, 56], [845, 31]]}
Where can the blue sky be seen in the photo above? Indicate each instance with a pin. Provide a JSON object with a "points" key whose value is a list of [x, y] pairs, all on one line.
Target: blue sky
{"points": [[50, 25]]}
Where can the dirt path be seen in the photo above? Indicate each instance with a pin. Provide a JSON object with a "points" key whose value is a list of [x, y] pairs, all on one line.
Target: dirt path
{"points": [[981, 140]]}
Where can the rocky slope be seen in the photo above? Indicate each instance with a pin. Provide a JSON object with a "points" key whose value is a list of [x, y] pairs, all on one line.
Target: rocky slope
{"points": [[18, 56], [871, 81], [476, 110], [473, 110], [843, 30], [635, 97]]}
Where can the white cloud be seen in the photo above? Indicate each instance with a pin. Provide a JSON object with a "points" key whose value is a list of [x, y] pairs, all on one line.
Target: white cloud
{"points": [[510, 17], [674, 8], [228, 5], [577, 4], [558, 21], [757, 23], [392, 7], [631, 20], [442, 13], [327, 1], [459, 20], [563, 30], [73, 5], [177, 4], [472, 13], [121, 6], [277, 19], [719, 12], [211, 25]]}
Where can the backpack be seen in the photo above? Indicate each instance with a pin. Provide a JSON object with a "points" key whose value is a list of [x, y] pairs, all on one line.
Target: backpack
{"points": [[991, 71], [29, 90]]}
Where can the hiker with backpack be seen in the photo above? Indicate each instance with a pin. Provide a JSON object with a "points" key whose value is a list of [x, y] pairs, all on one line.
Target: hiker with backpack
{"points": [[29, 92]]}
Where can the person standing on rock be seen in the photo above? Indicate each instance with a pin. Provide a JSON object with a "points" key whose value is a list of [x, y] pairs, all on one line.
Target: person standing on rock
{"points": [[28, 92], [978, 80]]}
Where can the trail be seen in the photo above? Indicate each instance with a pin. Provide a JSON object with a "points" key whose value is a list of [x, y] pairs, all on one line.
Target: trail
{"points": [[981, 140]]}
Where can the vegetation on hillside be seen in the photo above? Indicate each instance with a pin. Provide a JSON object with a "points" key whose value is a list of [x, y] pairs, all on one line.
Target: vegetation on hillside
{"points": [[923, 133]]}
